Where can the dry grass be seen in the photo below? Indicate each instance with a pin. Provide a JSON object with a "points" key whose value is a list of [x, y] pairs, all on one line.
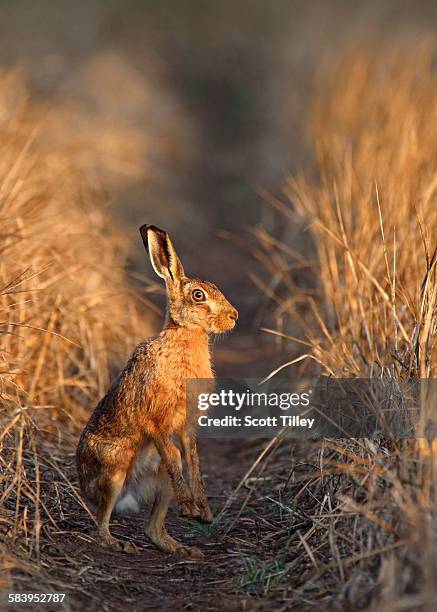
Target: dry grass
{"points": [[374, 214], [367, 508], [371, 216], [67, 313]]}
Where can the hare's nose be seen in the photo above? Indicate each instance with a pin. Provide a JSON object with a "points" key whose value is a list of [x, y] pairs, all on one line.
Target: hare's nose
{"points": [[233, 315]]}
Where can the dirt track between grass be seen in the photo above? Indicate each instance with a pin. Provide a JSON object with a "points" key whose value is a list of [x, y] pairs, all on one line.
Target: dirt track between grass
{"points": [[104, 580]]}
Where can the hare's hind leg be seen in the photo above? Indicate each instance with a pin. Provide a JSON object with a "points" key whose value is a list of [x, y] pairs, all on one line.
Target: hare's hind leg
{"points": [[156, 528], [109, 488]]}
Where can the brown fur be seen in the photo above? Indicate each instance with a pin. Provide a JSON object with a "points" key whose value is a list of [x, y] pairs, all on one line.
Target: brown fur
{"points": [[127, 448]]}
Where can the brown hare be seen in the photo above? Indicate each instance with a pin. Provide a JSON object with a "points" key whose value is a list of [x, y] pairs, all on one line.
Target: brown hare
{"points": [[126, 453]]}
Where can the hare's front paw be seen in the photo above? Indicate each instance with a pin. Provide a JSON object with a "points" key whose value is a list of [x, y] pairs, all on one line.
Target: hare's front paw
{"points": [[205, 514], [188, 507]]}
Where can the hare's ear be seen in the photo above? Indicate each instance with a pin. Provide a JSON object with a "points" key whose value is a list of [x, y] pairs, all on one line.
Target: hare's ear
{"points": [[162, 253]]}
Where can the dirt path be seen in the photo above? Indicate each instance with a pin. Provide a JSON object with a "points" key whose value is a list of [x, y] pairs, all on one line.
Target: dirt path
{"points": [[149, 580]]}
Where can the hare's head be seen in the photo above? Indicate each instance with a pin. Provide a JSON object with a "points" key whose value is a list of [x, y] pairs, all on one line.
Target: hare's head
{"points": [[191, 302]]}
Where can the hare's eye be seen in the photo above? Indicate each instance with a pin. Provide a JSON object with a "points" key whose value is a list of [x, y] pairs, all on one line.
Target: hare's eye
{"points": [[198, 295]]}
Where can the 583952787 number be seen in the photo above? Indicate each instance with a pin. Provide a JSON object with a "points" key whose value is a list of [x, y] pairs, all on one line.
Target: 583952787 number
{"points": [[34, 598]]}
